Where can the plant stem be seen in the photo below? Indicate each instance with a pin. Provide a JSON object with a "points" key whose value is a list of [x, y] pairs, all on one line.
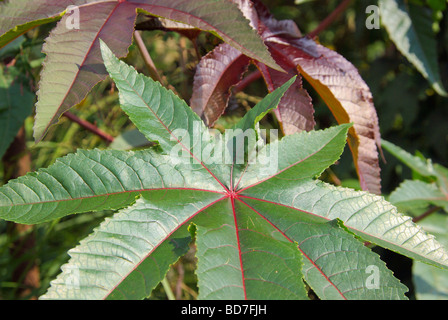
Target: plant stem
{"points": [[330, 18], [246, 81], [425, 214], [168, 290], [147, 58], [154, 74], [87, 125], [180, 280]]}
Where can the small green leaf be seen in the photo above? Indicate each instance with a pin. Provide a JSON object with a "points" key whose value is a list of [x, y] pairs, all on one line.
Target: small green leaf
{"points": [[431, 283], [268, 103], [424, 168], [410, 27], [418, 194]]}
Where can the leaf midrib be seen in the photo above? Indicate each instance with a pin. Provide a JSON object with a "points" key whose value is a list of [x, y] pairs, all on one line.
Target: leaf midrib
{"points": [[110, 194]]}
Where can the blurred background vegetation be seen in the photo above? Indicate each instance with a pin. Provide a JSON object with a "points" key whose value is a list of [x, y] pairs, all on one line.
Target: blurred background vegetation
{"points": [[411, 115]]}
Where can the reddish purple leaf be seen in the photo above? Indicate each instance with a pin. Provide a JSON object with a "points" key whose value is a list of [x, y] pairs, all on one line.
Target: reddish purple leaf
{"points": [[153, 23], [349, 98], [295, 111], [216, 73], [73, 64]]}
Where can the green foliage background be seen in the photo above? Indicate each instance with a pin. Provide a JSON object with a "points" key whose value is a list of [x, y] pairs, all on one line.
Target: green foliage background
{"points": [[411, 115]]}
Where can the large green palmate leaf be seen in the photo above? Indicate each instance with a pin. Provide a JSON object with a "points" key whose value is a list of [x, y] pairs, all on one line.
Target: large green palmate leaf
{"points": [[72, 48], [262, 228], [416, 196], [420, 166]]}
